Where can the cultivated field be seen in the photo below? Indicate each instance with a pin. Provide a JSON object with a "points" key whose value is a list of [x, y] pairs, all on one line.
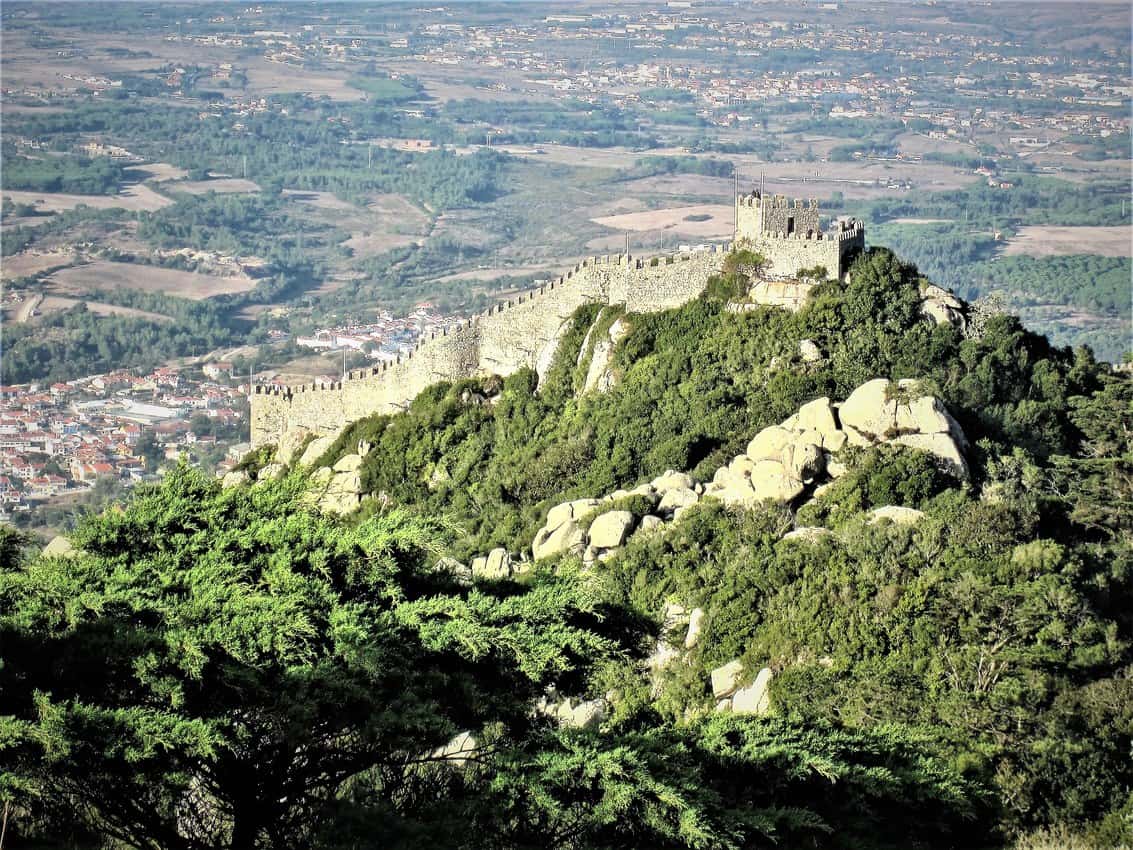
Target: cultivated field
{"points": [[102, 274], [26, 264], [266, 77], [133, 198], [1043, 241], [159, 172], [57, 303], [220, 185], [716, 223], [384, 223]]}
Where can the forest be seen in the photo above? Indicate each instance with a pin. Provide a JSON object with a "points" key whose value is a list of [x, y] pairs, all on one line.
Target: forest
{"points": [[47, 173], [228, 667]]}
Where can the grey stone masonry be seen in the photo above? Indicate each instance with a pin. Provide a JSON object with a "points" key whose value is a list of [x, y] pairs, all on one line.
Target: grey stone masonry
{"points": [[525, 330]]}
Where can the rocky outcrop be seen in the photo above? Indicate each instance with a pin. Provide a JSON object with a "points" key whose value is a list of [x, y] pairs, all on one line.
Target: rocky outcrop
{"points": [[270, 470], [726, 679], [810, 352], [896, 515], [729, 696], [60, 547], [942, 307], [756, 697], [599, 375], [337, 489], [783, 460], [582, 527], [290, 443], [571, 713], [808, 534], [494, 566], [315, 449], [611, 529], [234, 478]]}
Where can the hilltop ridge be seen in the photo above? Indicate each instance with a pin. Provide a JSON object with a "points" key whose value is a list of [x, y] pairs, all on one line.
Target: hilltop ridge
{"points": [[793, 251]]}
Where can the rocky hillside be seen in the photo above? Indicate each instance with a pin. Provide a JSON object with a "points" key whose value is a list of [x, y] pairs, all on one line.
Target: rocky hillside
{"points": [[885, 510]]}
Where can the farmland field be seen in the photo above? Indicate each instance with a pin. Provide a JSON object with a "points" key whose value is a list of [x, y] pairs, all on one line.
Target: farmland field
{"points": [[1043, 241], [136, 198], [102, 274], [220, 185], [707, 221], [27, 264]]}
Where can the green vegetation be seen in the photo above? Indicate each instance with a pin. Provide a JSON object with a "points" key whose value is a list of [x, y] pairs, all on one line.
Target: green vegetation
{"points": [[696, 384], [960, 252], [231, 669], [1058, 280], [1035, 200], [76, 342], [652, 165], [307, 148], [53, 173], [382, 88], [947, 684]]}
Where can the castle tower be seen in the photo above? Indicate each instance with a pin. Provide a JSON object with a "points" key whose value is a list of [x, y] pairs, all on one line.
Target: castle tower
{"points": [[788, 233]]}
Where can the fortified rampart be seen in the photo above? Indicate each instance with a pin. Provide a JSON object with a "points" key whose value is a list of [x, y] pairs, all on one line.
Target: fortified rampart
{"points": [[789, 235], [523, 331]]}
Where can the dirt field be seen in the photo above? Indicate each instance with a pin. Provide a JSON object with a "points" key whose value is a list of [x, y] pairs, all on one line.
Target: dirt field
{"points": [[1042, 241], [266, 77], [387, 222], [321, 200], [159, 172], [221, 185], [718, 223], [132, 198], [495, 272], [23, 265], [57, 303], [107, 275]]}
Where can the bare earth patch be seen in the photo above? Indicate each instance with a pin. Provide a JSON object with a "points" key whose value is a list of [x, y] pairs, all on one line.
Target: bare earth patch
{"points": [[1045, 241], [133, 198], [322, 200], [384, 223], [58, 303], [159, 172], [220, 185], [102, 274], [267, 77], [26, 264], [717, 224]]}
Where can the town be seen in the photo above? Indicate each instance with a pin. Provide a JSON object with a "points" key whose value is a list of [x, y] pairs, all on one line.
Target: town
{"points": [[59, 440]]}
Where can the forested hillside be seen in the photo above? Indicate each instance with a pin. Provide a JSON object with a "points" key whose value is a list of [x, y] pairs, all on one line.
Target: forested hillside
{"points": [[230, 667]]}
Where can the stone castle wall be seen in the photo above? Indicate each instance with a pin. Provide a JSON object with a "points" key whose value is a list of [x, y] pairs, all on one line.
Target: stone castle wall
{"points": [[775, 214], [525, 331], [521, 332], [787, 255]]}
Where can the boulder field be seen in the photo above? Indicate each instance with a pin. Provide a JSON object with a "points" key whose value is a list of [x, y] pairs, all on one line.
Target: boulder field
{"points": [[783, 463]]}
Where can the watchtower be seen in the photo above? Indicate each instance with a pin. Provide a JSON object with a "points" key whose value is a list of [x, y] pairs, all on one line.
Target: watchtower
{"points": [[788, 233]]}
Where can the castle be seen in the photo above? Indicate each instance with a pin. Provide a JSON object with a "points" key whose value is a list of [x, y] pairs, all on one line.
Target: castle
{"points": [[789, 235], [525, 331]]}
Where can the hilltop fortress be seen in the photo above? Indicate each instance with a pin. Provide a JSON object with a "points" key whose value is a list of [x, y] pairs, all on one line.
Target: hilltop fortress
{"points": [[524, 331]]}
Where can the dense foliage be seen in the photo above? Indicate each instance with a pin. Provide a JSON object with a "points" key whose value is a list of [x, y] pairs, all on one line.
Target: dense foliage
{"points": [[696, 384], [74, 175], [76, 341], [951, 236], [231, 669]]}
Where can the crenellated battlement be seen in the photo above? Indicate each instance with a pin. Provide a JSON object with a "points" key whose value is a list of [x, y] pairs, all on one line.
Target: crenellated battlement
{"points": [[515, 332], [789, 234], [523, 331]]}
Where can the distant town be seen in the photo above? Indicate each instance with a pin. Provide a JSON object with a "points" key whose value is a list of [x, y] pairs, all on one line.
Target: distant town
{"points": [[58, 440]]}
